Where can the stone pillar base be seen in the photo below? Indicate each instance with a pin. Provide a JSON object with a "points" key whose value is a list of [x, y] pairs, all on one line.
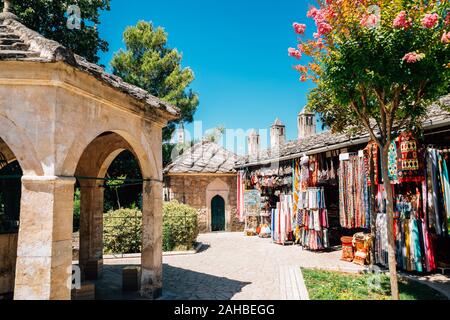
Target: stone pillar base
{"points": [[92, 270]]}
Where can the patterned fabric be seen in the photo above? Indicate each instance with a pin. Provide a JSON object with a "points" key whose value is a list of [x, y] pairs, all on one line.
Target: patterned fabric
{"points": [[392, 162], [409, 165], [354, 210], [372, 152]]}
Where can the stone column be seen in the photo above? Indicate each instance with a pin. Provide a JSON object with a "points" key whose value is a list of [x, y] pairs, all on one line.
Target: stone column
{"points": [[44, 253], [151, 261], [91, 228]]}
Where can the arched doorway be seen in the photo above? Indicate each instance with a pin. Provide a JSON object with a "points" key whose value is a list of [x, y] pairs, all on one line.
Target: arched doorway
{"points": [[217, 214], [10, 195], [93, 173]]}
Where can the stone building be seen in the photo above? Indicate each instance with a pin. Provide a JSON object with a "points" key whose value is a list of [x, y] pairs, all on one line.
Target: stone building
{"points": [[204, 178], [63, 119]]}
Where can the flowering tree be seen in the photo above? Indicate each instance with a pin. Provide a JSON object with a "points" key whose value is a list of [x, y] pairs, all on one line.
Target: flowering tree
{"points": [[378, 65]]}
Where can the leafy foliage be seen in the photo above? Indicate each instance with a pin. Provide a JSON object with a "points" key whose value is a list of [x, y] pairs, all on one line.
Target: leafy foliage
{"points": [[76, 210], [49, 18], [122, 231], [148, 63], [180, 226]]}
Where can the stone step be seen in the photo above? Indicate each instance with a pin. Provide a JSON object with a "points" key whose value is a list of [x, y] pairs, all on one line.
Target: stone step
{"points": [[7, 35], [15, 54], [16, 46], [9, 42]]}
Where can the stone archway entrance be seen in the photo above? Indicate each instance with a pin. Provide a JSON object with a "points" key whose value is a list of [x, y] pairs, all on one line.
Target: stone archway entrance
{"points": [[10, 194], [217, 214], [55, 108]]}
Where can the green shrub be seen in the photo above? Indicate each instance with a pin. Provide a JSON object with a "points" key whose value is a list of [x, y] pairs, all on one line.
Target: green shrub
{"points": [[180, 226], [122, 231], [123, 234], [76, 211]]}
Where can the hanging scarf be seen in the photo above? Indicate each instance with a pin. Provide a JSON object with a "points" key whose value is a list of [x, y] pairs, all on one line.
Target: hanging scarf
{"points": [[372, 152], [409, 165], [392, 162]]}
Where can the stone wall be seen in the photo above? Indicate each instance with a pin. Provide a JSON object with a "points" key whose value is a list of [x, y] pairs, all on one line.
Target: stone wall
{"points": [[192, 190], [8, 254]]}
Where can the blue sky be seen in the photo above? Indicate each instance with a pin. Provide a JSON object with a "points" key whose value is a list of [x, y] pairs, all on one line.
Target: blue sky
{"points": [[237, 50]]}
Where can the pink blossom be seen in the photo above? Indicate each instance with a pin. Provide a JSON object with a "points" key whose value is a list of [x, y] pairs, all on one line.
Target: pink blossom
{"points": [[316, 35], [294, 53], [446, 37], [413, 57], [370, 20], [430, 20], [447, 19], [301, 48], [303, 78], [299, 28], [324, 28], [402, 21], [312, 12]]}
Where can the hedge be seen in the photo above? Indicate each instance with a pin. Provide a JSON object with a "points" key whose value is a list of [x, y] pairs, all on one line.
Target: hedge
{"points": [[180, 226], [123, 234]]}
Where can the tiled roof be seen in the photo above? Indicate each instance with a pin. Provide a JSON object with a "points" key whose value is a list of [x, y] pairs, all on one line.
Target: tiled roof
{"points": [[19, 43], [332, 141], [203, 157]]}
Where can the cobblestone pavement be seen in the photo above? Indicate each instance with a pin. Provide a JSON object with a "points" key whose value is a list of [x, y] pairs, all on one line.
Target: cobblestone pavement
{"points": [[234, 267]]}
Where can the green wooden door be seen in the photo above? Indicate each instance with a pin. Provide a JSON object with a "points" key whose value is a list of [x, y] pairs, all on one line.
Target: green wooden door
{"points": [[218, 214]]}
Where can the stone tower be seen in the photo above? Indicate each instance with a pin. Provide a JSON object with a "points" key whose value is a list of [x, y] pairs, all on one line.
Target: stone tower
{"points": [[306, 124], [277, 134], [253, 143]]}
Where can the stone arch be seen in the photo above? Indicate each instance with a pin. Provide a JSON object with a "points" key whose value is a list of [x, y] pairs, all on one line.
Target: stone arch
{"points": [[218, 187], [21, 146], [10, 190], [139, 146]]}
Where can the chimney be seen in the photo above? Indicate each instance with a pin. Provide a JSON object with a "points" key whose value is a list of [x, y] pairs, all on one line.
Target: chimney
{"points": [[253, 143], [277, 134], [306, 123]]}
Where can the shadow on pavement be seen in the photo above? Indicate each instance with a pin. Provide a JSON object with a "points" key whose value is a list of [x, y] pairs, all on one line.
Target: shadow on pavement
{"points": [[178, 284]]}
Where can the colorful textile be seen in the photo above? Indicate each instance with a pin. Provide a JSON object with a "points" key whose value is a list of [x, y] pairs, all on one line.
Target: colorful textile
{"points": [[372, 152], [409, 165], [354, 207], [240, 195], [392, 163], [445, 186]]}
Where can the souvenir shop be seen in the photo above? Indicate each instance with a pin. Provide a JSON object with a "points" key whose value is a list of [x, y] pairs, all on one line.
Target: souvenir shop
{"points": [[420, 183], [324, 200], [294, 198]]}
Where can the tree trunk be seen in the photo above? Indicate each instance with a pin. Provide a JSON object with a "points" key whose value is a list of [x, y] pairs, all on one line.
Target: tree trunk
{"points": [[390, 223]]}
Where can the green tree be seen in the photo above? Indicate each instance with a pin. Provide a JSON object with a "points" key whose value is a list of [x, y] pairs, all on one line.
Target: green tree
{"points": [[150, 64], [378, 65], [49, 18]]}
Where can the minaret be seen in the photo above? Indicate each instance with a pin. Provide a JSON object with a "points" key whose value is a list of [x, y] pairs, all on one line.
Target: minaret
{"points": [[181, 134], [253, 143], [306, 124], [277, 134], [7, 14]]}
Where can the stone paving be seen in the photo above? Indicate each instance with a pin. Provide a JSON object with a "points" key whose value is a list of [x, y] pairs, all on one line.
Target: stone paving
{"points": [[234, 267]]}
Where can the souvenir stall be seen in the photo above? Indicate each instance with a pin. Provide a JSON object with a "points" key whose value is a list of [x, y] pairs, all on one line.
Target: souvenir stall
{"points": [[274, 184], [310, 216], [418, 178], [354, 206]]}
